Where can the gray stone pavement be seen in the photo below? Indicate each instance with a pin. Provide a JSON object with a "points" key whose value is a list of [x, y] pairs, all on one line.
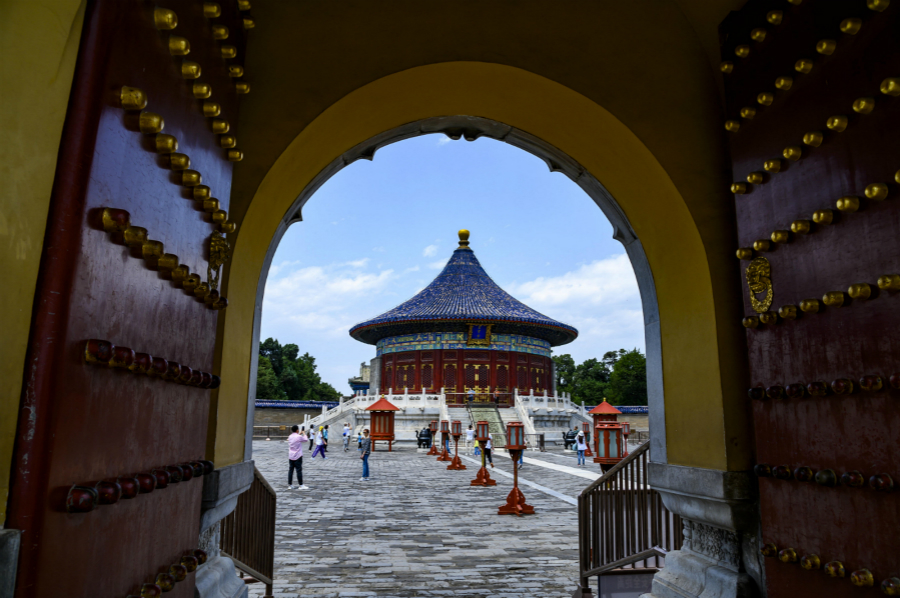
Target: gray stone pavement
{"points": [[416, 529]]}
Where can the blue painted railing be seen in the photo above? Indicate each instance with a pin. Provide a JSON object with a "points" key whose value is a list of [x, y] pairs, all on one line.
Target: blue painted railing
{"points": [[298, 404], [634, 409]]}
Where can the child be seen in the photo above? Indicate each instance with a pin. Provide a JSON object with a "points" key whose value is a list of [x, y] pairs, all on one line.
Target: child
{"points": [[477, 450], [580, 446], [320, 444]]}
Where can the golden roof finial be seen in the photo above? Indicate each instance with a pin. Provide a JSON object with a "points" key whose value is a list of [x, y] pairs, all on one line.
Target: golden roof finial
{"points": [[463, 238]]}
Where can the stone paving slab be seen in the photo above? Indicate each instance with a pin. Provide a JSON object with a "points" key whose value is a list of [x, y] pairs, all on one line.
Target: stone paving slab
{"points": [[416, 529]]}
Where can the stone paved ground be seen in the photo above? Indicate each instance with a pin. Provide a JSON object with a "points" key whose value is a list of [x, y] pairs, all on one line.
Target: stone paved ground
{"points": [[417, 529]]}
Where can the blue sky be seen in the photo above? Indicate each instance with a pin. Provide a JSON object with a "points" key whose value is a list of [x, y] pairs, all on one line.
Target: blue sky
{"points": [[378, 232]]}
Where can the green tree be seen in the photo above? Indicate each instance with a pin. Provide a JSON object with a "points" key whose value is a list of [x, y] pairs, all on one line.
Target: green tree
{"points": [[272, 349], [564, 367], [268, 387], [628, 380], [284, 374], [590, 381]]}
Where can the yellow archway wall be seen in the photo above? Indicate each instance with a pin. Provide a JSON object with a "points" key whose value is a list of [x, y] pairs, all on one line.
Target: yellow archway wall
{"points": [[705, 423], [40, 42]]}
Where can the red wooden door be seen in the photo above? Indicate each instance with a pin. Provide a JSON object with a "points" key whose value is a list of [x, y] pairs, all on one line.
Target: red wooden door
{"points": [[813, 141], [84, 423]]}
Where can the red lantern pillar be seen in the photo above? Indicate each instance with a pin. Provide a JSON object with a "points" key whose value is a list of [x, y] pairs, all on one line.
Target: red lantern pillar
{"points": [[445, 435], [587, 437], [456, 430], [610, 444], [515, 444], [432, 427], [482, 429]]}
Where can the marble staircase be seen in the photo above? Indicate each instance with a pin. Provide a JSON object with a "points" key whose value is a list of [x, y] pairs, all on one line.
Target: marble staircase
{"points": [[496, 421]]}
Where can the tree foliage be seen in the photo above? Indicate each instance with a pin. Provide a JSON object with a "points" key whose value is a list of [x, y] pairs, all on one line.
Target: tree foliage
{"points": [[285, 375], [619, 376]]}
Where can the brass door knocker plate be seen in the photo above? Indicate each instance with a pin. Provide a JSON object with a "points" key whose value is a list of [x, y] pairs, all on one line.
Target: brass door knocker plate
{"points": [[759, 279]]}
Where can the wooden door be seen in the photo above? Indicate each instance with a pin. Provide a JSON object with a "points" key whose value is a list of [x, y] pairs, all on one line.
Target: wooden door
{"points": [[814, 116], [86, 418]]}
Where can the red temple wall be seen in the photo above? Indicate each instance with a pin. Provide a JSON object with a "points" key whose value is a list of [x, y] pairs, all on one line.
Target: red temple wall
{"points": [[458, 371]]}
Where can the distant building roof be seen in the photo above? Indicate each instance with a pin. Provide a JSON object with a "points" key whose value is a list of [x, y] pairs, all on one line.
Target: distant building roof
{"points": [[463, 293], [382, 404], [604, 408]]}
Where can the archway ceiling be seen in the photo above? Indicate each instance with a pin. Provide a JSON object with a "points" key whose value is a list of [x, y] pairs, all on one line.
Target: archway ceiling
{"points": [[650, 63]]}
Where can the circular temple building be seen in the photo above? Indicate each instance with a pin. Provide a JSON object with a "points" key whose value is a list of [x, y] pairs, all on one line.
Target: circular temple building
{"points": [[463, 332]]}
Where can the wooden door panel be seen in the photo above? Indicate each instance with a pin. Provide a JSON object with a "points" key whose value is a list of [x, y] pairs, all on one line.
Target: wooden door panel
{"points": [[83, 423], [847, 432]]}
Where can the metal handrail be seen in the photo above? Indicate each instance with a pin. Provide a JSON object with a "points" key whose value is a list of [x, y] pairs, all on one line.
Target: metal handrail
{"points": [[248, 532], [629, 560], [622, 521]]}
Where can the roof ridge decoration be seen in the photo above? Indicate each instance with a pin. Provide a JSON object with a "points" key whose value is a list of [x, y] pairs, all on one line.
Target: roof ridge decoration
{"points": [[462, 294]]}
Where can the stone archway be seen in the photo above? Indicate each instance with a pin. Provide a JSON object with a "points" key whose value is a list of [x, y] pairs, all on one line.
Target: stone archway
{"points": [[688, 349], [471, 128]]}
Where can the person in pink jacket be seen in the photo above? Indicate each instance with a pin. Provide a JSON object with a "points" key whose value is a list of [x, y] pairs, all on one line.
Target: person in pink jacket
{"points": [[295, 457]]}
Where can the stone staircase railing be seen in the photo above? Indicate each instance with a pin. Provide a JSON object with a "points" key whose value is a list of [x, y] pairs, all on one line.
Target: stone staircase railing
{"points": [[524, 416], [333, 414]]}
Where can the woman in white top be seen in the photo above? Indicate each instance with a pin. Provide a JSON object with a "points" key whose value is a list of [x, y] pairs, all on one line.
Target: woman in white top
{"points": [[487, 449], [470, 437], [580, 446]]}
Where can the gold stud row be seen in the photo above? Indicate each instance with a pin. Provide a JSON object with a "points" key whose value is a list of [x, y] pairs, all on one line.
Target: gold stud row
{"points": [[861, 291], [861, 578], [150, 123], [165, 20], [826, 47], [117, 221], [847, 204], [839, 123]]}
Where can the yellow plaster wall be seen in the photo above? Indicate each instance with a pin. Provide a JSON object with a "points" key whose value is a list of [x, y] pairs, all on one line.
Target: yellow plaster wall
{"points": [[584, 130], [39, 41]]}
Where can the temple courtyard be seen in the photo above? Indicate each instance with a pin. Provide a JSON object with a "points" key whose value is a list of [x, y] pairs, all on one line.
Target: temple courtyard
{"points": [[417, 529]]}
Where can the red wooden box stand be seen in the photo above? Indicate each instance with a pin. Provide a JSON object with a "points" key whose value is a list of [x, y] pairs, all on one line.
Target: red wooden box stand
{"points": [[483, 478], [381, 426], [515, 502], [456, 464]]}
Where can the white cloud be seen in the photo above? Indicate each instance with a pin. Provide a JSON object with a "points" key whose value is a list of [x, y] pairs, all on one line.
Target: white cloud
{"points": [[443, 140], [438, 265], [361, 263], [430, 251], [323, 298], [602, 282], [378, 249], [600, 299], [413, 269]]}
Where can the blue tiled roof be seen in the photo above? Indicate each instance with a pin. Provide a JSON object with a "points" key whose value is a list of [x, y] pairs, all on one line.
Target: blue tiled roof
{"points": [[463, 292]]}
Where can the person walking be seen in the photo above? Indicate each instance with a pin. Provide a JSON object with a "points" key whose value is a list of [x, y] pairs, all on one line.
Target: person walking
{"points": [[364, 449], [359, 442], [470, 437], [347, 433], [312, 437], [580, 446], [325, 437], [487, 449], [295, 457], [320, 444], [476, 451]]}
